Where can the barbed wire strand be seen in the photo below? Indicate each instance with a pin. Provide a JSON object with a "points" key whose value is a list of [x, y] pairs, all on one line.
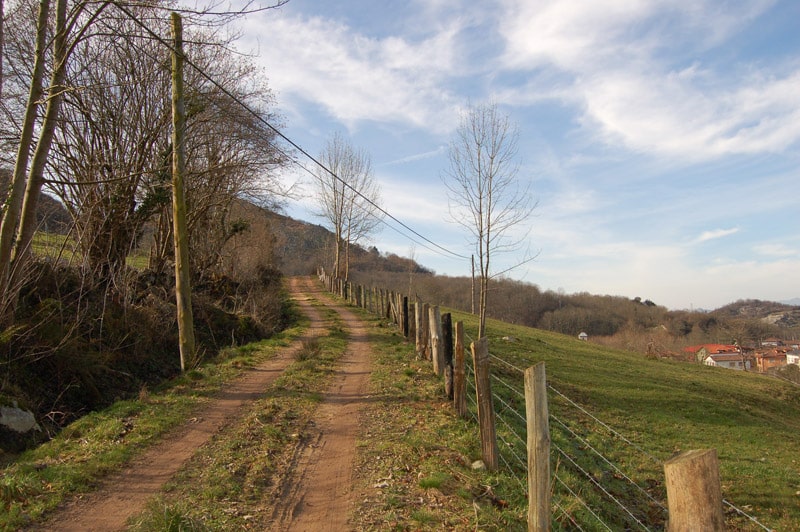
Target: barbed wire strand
{"points": [[568, 516], [606, 460], [507, 363], [605, 425], [600, 486], [745, 514], [585, 505]]}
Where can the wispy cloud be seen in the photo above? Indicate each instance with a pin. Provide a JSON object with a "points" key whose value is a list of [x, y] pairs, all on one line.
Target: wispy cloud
{"points": [[632, 70], [705, 236], [354, 77], [417, 157], [776, 250]]}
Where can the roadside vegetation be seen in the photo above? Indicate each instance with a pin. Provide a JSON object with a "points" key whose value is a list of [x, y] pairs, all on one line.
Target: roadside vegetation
{"points": [[101, 442]]}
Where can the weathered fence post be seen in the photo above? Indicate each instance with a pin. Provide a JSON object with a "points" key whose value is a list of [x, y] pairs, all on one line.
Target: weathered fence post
{"points": [[426, 332], [405, 317], [435, 320], [480, 358], [418, 344], [536, 411], [412, 322], [447, 353], [459, 374], [694, 496], [398, 305]]}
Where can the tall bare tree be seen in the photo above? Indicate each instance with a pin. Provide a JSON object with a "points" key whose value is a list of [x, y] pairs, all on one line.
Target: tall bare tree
{"points": [[484, 194], [348, 197]]}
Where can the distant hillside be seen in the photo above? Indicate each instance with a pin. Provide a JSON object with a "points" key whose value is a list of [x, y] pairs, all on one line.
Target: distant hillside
{"points": [[780, 314], [300, 247], [51, 215]]}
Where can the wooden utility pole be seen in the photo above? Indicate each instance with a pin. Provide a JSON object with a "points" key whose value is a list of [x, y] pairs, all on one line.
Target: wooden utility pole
{"points": [[183, 288]]}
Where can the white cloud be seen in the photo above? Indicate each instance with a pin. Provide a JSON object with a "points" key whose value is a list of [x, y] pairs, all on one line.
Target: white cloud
{"points": [[776, 250], [354, 77], [625, 63], [705, 236]]}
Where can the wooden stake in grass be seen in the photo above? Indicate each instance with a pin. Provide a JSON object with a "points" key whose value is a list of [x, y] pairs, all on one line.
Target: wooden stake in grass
{"points": [[447, 353], [435, 319], [459, 374], [538, 448], [694, 495], [480, 357]]}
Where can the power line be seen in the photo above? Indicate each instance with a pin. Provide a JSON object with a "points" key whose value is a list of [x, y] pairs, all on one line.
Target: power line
{"points": [[290, 141]]}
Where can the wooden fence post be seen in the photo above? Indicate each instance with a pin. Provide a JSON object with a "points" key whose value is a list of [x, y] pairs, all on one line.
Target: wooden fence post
{"points": [[694, 496], [459, 374], [405, 317], [398, 305], [426, 332], [447, 353], [435, 320], [419, 343], [480, 357], [538, 448]]}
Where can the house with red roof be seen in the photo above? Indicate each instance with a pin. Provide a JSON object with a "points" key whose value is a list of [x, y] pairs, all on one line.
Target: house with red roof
{"points": [[771, 359], [719, 355]]}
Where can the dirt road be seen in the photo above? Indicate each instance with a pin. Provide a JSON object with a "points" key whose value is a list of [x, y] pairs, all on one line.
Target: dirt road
{"points": [[317, 493]]}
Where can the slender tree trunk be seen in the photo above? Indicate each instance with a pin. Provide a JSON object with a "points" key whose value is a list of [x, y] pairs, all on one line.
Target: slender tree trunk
{"points": [[13, 205], [183, 289], [2, 45], [473, 285], [337, 256], [28, 223]]}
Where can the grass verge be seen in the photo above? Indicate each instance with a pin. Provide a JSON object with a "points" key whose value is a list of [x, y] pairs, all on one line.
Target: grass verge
{"points": [[415, 464], [102, 442]]}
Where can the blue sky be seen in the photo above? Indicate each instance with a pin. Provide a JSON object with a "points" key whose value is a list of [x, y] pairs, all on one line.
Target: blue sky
{"points": [[661, 139]]}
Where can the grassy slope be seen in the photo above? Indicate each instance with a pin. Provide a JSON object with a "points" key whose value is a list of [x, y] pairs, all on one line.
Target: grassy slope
{"points": [[663, 407]]}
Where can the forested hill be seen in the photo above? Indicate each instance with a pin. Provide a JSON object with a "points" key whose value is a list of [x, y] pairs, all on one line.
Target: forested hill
{"points": [[635, 323], [300, 247]]}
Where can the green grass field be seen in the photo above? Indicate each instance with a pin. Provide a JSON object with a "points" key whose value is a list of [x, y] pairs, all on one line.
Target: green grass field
{"points": [[637, 412]]}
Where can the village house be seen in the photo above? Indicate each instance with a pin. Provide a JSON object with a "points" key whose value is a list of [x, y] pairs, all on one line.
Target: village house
{"points": [[793, 357], [771, 359], [701, 352], [771, 342], [719, 355], [727, 360]]}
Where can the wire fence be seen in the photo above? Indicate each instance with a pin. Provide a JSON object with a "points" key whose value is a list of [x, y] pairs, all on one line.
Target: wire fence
{"points": [[601, 478]]}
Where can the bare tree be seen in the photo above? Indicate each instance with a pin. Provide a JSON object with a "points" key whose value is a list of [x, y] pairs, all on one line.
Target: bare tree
{"points": [[484, 194], [348, 198]]}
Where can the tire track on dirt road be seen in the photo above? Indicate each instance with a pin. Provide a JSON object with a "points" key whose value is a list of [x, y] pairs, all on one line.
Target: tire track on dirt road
{"points": [[125, 494], [318, 493]]}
